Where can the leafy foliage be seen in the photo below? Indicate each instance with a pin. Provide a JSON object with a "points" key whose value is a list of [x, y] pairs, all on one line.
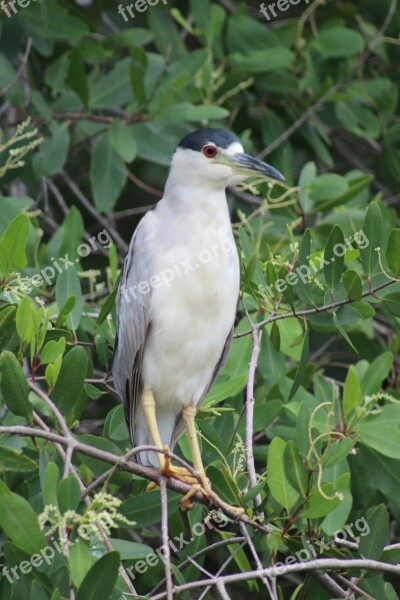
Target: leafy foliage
{"points": [[93, 106]]}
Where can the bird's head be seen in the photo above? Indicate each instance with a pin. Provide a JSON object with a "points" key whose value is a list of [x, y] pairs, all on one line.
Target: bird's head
{"points": [[217, 156]]}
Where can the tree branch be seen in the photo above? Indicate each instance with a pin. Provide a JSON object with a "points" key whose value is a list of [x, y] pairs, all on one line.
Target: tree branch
{"points": [[312, 565], [313, 311]]}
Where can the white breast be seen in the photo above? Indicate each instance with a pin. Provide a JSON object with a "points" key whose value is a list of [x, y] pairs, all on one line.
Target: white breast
{"points": [[193, 309]]}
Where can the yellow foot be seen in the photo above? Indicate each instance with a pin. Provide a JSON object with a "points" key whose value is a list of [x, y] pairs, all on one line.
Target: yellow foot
{"points": [[235, 511], [205, 488], [179, 473]]}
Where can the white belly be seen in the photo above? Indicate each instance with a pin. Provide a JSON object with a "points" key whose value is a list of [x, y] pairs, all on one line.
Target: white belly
{"points": [[191, 315]]}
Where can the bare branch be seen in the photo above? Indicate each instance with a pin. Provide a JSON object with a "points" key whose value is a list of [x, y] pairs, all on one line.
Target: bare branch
{"points": [[256, 334], [119, 242], [313, 311], [312, 565], [164, 532]]}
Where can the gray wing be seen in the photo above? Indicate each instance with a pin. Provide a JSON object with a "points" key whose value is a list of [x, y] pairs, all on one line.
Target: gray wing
{"points": [[133, 310], [179, 424]]}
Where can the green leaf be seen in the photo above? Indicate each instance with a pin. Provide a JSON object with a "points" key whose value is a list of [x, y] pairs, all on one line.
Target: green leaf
{"points": [[68, 285], [301, 369], [13, 460], [337, 451], [376, 373], [351, 392], [68, 494], [307, 175], [52, 351], [353, 284], [13, 243], [254, 61], [52, 372], [358, 118], [117, 429], [318, 505], [19, 521], [107, 175], [145, 509], [107, 306], [13, 386], [372, 544], [73, 230], [10, 208], [393, 252], [54, 23], [382, 432], [77, 76], [225, 389], [130, 550], [65, 311], [80, 561], [24, 320], [278, 483], [343, 332], [338, 42], [296, 473], [334, 253], [100, 579], [53, 151], [356, 186], [50, 484], [373, 230], [189, 112], [69, 386], [122, 140], [392, 303], [326, 186], [137, 75], [305, 248]]}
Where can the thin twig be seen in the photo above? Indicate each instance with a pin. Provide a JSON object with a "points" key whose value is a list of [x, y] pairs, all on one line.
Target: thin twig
{"points": [[258, 562], [332, 90], [165, 537], [302, 567], [21, 69], [256, 335], [117, 239], [220, 544], [313, 311], [131, 467], [144, 186], [329, 584]]}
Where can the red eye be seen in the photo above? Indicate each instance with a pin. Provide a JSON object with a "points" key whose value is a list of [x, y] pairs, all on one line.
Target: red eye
{"points": [[209, 151]]}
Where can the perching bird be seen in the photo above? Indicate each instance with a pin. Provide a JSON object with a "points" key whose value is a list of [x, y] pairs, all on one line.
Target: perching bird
{"points": [[177, 297]]}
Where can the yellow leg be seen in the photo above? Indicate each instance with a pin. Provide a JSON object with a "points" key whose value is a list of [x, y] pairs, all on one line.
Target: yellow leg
{"points": [[189, 413], [149, 408]]}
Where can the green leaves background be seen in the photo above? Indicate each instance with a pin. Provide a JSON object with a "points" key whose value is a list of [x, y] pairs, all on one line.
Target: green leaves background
{"points": [[111, 100]]}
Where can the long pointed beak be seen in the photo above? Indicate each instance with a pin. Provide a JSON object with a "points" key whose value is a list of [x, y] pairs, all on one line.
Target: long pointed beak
{"points": [[253, 166]]}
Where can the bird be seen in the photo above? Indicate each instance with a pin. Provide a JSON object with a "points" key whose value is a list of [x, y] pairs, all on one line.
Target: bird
{"points": [[177, 300]]}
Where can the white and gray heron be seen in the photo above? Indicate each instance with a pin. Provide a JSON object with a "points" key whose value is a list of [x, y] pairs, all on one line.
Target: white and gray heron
{"points": [[177, 298]]}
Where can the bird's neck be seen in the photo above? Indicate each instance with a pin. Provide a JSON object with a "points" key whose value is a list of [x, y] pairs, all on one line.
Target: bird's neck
{"points": [[196, 195]]}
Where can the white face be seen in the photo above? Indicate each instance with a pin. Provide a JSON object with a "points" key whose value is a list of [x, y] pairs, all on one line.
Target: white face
{"points": [[212, 163]]}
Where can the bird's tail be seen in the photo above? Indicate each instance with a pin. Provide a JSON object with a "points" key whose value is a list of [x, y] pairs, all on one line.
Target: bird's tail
{"points": [[166, 423]]}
